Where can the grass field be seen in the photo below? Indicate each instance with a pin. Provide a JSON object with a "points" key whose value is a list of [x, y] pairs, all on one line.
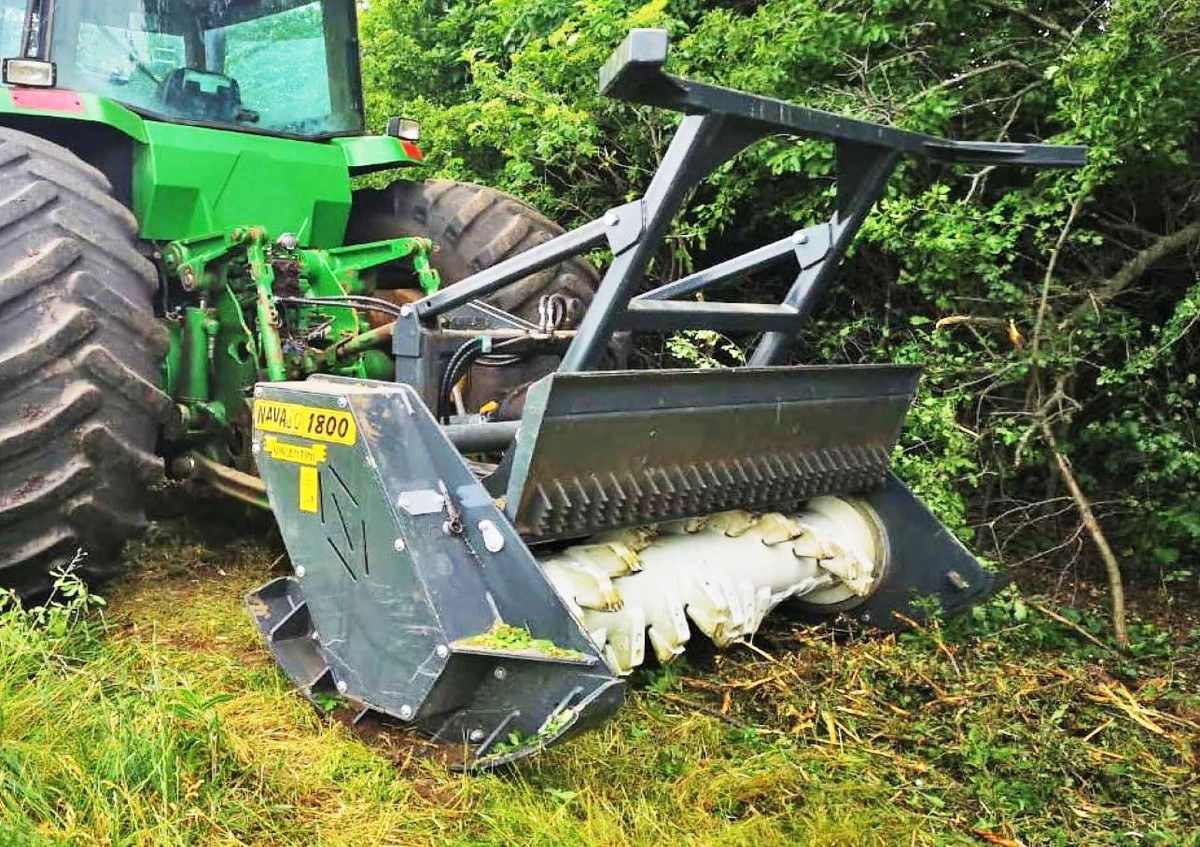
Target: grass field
{"points": [[159, 720]]}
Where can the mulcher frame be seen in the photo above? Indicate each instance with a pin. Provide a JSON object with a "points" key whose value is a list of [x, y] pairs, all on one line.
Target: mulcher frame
{"points": [[719, 123], [406, 562]]}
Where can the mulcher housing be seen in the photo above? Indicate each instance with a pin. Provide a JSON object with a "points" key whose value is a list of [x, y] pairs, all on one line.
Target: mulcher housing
{"points": [[414, 564]]}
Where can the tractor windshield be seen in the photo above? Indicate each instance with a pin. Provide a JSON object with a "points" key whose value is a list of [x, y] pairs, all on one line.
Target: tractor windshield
{"points": [[279, 66]]}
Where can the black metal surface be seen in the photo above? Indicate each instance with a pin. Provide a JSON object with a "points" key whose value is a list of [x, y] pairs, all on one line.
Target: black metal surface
{"points": [[406, 558], [482, 437], [718, 124], [635, 74], [668, 315], [603, 450], [928, 569]]}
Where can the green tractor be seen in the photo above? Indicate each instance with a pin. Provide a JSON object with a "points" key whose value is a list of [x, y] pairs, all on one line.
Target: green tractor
{"points": [[170, 166], [491, 521]]}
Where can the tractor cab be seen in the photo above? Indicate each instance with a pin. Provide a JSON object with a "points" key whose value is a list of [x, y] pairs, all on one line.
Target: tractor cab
{"points": [[283, 67]]}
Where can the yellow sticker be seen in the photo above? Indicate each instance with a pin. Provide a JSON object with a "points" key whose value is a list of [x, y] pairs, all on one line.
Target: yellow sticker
{"points": [[310, 489], [299, 454], [330, 425]]}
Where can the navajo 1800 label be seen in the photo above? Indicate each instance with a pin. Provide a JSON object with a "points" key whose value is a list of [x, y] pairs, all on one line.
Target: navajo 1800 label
{"points": [[330, 425]]}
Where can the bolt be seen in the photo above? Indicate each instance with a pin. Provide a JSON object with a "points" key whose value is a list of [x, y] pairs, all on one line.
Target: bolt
{"points": [[800, 238], [256, 447], [406, 712], [865, 617], [316, 636], [342, 687], [611, 218], [184, 467], [406, 311], [398, 545], [443, 651], [343, 402], [477, 735], [258, 392], [300, 571], [500, 672]]}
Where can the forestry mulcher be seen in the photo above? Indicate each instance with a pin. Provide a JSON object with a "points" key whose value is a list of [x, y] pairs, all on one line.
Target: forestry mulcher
{"points": [[491, 520]]}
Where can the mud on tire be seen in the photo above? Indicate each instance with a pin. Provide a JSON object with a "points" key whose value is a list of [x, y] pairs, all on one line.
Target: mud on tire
{"points": [[80, 351]]}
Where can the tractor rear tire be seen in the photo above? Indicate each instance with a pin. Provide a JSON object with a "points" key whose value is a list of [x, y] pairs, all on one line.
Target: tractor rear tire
{"points": [[473, 228], [80, 354]]}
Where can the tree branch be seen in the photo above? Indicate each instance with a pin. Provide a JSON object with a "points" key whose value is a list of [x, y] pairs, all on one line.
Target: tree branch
{"points": [[963, 77], [1116, 585], [1044, 301], [1146, 259], [1029, 17], [1134, 268]]}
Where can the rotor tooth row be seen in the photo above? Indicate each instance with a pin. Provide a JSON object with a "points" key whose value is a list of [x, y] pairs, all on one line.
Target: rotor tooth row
{"points": [[582, 505]]}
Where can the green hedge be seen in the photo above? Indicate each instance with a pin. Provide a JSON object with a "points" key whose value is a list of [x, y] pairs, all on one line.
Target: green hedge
{"points": [[1064, 296]]}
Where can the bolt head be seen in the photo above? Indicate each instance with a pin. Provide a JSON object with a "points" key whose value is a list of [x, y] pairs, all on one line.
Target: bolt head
{"points": [[611, 219], [342, 687], [300, 571], [258, 392], [398, 545], [443, 651], [406, 311], [500, 672], [799, 238], [342, 402], [256, 447], [477, 735], [316, 636], [406, 712]]}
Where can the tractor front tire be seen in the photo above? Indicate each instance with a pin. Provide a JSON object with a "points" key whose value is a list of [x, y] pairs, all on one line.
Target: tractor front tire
{"points": [[80, 354]]}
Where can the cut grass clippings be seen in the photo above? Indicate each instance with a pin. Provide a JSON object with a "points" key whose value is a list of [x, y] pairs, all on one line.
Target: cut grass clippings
{"points": [[161, 720]]}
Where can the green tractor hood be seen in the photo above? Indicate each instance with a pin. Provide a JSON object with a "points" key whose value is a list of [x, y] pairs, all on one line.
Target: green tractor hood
{"points": [[192, 180]]}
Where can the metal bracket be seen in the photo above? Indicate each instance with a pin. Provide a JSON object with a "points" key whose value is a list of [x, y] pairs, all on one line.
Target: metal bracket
{"points": [[813, 244], [625, 226]]}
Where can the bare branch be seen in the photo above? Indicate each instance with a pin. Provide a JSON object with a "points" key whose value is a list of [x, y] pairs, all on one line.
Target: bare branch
{"points": [[1116, 585], [1029, 17], [1043, 303], [1145, 260], [963, 77]]}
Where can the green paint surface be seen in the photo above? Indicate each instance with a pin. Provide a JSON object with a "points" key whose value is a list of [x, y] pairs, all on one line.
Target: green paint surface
{"points": [[93, 109], [189, 181]]}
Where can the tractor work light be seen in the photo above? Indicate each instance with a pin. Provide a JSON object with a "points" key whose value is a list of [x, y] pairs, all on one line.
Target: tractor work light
{"points": [[33, 73], [404, 128]]}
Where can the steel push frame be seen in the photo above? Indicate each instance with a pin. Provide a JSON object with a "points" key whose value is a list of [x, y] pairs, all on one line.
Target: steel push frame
{"points": [[718, 124]]}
